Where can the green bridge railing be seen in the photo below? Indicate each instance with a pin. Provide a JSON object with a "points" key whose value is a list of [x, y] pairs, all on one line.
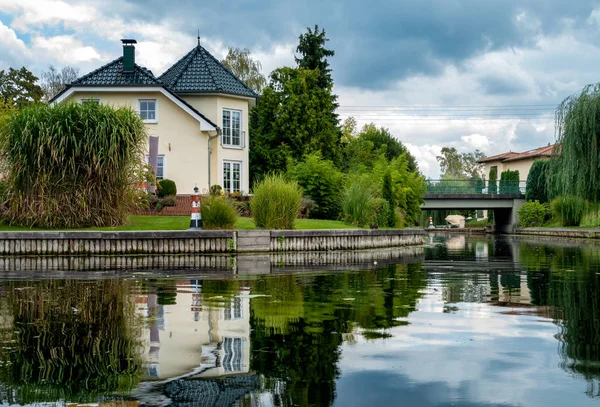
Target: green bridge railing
{"points": [[454, 187]]}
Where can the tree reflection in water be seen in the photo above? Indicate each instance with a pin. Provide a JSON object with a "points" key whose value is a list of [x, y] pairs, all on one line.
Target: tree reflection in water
{"points": [[567, 280], [68, 340], [297, 331]]}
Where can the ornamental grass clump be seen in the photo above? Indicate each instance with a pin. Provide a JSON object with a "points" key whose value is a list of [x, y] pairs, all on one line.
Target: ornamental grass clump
{"points": [[218, 212], [71, 165], [357, 204], [276, 202]]}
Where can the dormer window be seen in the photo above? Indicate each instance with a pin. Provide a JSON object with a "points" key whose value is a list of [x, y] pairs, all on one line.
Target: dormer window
{"points": [[147, 110], [232, 128]]}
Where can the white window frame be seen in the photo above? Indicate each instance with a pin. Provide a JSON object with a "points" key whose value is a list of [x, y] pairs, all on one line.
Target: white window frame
{"points": [[242, 132], [155, 109], [164, 166], [84, 100], [233, 354], [232, 162]]}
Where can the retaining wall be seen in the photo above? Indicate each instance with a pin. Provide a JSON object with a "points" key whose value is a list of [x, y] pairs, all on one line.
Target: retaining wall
{"points": [[198, 242]]}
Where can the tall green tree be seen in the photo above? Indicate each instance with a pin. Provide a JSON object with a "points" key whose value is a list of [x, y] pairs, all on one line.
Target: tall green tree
{"points": [[574, 168], [537, 178], [249, 70], [313, 55], [19, 88], [292, 119], [455, 165]]}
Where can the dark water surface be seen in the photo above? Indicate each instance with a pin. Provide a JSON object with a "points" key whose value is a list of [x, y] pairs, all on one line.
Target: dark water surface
{"points": [[479, 322]]}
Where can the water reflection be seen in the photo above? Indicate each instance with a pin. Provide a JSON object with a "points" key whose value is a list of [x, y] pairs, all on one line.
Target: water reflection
{"points": [[478, 314]]}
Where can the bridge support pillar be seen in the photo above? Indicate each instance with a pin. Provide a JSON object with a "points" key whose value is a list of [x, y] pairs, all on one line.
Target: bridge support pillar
{"points": [[505, 219]]}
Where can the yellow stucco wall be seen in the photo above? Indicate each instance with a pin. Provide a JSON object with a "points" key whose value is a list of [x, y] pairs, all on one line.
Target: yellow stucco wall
{"points": [[212, 107], [181, 141]]}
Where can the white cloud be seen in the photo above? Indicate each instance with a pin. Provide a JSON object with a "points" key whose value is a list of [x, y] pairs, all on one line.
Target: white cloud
{"points": [[65, 49], [41, 12], [477, 141], [13, 51]]}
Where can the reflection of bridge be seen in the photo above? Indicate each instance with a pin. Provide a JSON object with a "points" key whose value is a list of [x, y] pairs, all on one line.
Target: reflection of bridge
{"points": [[503, 197]]}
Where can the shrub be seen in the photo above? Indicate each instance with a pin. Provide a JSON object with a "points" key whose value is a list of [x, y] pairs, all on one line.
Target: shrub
{"points": [[218, 213], [276, 202], [306, 206], [380, 213], [493, 185], [568, 209], [322, 181], [532, 214], [536, 182], [216, 190], [591, 216], [169, 200], [388, 195], [400, 219], [243, 208], [71, 165], [166, 187], [509, 182], [357, 204]]}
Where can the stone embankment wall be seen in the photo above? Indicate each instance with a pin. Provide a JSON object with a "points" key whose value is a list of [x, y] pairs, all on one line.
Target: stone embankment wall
{"points": [[201, 242], [561, 232]]}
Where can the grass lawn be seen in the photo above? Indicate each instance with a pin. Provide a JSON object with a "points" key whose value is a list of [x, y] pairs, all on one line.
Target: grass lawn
{"points": [[183, 223]]}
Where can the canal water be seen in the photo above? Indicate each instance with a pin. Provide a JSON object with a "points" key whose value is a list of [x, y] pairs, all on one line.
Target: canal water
{"points": [[488, 321]]}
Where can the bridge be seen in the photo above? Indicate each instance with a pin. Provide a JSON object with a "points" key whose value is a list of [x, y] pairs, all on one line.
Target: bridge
{"points": [[503, 197]]}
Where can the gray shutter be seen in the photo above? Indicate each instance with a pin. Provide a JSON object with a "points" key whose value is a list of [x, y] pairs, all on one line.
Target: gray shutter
{"points": [[243, 135]]}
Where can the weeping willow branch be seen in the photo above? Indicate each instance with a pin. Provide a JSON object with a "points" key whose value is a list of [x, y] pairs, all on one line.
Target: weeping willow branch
{"points": [[575, 167]]}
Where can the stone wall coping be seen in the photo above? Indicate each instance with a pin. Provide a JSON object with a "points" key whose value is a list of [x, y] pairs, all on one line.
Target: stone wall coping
{"points": [[113, 235], [345, 232]]}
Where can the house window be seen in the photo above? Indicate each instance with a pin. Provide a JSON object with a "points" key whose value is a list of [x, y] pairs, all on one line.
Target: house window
{"points": [[160, 166], [147, 109], [233, 310], [232, 128], [232, 175], [232, 360], [94, 101]]}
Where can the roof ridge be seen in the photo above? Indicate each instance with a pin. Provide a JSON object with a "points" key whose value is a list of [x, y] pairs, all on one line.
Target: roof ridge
{"points": [[182, 69], [81, 78], [210, 72], [228, 70]]}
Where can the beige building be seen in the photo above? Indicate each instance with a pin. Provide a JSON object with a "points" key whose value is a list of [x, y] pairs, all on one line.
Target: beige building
{"points": [[198, 110], [515, 161]]}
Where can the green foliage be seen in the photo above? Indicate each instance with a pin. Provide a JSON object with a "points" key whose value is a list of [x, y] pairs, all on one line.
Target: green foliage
{"points": [[509, 182], [240, 62], [569, 209], [591, 216], [357, 204], [574, 167], [293, 118], [388, 195], [18, 88], [313, 55], [380, 213], [216, 190], [165, 188], [276, 202], [71, 165], [532, 214], [218, 212], [322, 182], [493, 177], [537, 189], [455, 165]]}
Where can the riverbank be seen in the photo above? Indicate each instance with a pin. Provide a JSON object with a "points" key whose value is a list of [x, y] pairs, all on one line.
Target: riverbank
{"points": [[74, 243], [561, 232]]}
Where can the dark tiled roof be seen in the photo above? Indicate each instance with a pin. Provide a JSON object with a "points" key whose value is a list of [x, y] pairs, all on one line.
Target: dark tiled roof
{"points": [[112, 74], [199, 72]]}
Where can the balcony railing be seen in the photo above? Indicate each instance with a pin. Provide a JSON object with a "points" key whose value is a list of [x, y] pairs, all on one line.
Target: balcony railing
{"points": [[470, 187]]}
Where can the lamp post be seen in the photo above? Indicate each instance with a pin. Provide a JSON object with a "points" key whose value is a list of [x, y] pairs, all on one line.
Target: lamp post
{"points": [[196, 221]]}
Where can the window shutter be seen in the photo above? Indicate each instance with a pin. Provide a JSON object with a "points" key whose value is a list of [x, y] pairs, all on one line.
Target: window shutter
{"points": [[243, 139], [221, 139]]}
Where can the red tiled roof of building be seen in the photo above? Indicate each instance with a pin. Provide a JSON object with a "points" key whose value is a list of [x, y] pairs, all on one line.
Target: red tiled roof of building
{"points": [[545, 151], [497, 157], [537, 152]]}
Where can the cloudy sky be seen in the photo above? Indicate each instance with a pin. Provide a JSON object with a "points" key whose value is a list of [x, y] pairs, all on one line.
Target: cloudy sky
{"points": [[463, 73]]}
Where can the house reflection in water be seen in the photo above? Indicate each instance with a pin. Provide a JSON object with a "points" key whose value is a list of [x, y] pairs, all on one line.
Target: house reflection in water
{"points": [[192, 333]]}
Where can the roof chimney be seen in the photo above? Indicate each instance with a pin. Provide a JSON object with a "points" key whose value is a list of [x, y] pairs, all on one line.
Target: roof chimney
{"points": [[128, 55]]}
